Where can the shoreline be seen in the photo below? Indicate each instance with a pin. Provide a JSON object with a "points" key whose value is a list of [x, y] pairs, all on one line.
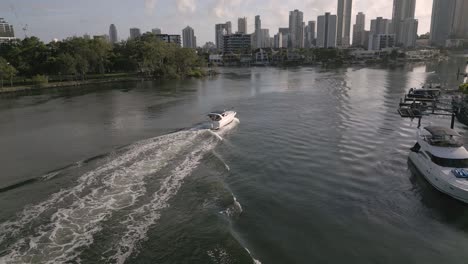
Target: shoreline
{"points": [[66, 84]]}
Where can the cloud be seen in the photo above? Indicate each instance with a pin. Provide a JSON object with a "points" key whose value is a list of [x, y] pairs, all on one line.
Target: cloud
{"points": [[230, 8], [186, 6], [150, 5]]}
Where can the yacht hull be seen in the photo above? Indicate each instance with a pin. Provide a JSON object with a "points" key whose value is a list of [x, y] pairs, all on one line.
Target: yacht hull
{"points": [[437, 178], [230, 115]]}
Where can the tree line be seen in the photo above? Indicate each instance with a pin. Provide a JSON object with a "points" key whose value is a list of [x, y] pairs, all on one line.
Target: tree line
{"points": [[75, 58]]}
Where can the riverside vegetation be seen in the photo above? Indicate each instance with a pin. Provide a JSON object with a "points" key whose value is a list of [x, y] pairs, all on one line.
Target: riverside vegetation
{"points": [[32, 62]]}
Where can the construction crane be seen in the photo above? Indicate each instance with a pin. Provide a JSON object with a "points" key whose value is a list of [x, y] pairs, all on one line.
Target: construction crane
{"points": [[24, 27]]}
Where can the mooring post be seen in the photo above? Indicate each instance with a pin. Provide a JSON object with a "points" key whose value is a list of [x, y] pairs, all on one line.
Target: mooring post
{"points": [[452, 124], [419, 122]]}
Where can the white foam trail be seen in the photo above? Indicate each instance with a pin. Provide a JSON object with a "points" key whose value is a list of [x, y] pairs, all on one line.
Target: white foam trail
{"points": [[256, 261], [235, 209], [74, 225], [140, 219]]}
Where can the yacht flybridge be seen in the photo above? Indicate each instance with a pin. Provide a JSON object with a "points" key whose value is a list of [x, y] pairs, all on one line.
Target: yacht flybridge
{"points": [[221, 118], [441, 158]]}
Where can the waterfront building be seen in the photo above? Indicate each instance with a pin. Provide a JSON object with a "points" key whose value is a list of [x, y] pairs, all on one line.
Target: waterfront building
{"points": [[175, 39], [135, 33], [326, 31], [156, 31], [402, 10], [309, 35], [87, 36], [237, 43], [359, 30], [296, 29], [381, 41], [113, 38], [242, 25], [343, 30], [188, 38]]}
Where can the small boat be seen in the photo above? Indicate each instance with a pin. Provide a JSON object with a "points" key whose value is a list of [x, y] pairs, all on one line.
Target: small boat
{"points": [[220, 119], [424, 93], [439, 155]]}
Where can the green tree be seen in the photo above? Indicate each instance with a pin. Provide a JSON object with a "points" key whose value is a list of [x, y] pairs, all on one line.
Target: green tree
{"points": [[7, 70]]}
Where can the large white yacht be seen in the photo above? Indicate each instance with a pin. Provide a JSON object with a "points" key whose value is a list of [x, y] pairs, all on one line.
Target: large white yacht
{"points": [[221, 118], [441, 158]]}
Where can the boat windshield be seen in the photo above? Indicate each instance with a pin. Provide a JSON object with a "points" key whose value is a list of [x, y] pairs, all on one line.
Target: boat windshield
{"points": [[450, 163]]}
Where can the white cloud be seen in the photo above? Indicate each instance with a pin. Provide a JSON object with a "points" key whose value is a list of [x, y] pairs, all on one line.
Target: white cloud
{"points": [[150, 5], [186, 6], [230, 8]]}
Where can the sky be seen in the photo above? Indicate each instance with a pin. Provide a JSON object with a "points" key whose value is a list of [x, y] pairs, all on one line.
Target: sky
{"points": [[49, 19]]}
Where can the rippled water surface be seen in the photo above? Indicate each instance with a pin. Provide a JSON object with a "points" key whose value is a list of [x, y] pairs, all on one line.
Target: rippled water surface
{"points": [[314, 171]]}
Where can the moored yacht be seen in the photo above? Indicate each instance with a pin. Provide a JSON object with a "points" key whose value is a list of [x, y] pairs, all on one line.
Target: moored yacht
{"points": [[440, 157], [221, 118]]}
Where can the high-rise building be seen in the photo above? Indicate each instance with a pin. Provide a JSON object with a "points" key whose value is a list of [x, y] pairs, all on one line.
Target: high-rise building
{"points": [[135, 33], [278, 41], [229, 27], [220, 31], [156, 31], [113, 38], [408, 32], [258, 34], [242, 25], [380, 26], [6, 31], [284, 37], [309, 35], [296, 29], [380, 34], [326, 31], [443, 12], [343, 30], [359, 30], [237, 43], [188, 38], [460, 21], [402, 9], [265, 38]]}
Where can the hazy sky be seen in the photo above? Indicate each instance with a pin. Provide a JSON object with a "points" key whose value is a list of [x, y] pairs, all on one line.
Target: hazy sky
{"points": [[49, 19]]}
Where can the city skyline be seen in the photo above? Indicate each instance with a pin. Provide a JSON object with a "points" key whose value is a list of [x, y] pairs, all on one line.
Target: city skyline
{"points": [[75, 21]]}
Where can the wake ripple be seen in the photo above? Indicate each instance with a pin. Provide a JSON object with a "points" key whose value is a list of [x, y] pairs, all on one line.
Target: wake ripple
{"points": [[71, 217]]}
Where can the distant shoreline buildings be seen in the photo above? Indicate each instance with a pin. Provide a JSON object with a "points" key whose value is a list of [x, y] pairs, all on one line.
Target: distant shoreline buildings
{"points": [[7, 33], [449, 28]]}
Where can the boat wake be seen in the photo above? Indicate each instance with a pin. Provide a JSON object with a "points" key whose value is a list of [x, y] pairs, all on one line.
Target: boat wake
{"points": [[127, 193]]}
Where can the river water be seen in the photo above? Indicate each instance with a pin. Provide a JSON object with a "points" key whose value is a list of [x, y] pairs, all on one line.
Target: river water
{"points": [[314, 171]]}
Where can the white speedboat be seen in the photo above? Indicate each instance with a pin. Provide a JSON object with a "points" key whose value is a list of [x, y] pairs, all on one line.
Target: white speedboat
{"points": [[221, 118], [440, 157]]}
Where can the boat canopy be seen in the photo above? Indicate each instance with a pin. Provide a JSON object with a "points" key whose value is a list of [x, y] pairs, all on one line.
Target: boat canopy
{"points": [[443, 137], [217, 112], [438, 131]]}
